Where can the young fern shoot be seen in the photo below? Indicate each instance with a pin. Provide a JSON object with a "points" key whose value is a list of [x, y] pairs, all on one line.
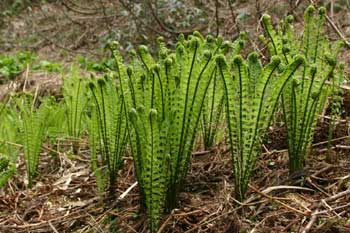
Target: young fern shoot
{"points": [[252, 92], [8, 135], [75, 98], [336, 100], [33, 129], [108, 130], [305, 95]]}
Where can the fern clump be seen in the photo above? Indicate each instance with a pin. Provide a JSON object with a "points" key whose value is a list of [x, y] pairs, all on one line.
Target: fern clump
{"points": [[305, 95], [33, 129], [74, 91], [164, 97], [252, 91], [107, 131]]}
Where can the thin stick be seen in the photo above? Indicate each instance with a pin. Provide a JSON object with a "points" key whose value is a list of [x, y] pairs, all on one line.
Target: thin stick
{"points": [[279, 202], [127, 191], [52, 227], [26, 78], [164, 224], [315, 214], [270, 189], [310, 223]]}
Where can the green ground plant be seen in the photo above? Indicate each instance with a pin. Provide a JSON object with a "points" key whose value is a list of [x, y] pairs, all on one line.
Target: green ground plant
{"points": [[108, 132], [33, 128], [164, 97], [7, 170], [11, 66], [212, 113], [212, 116], [97, 165], [75, 96], [8, 139], [252, 92], [305, 95]]}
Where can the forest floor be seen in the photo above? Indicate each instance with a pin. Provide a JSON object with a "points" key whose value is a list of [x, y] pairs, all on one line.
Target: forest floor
{"points": [[65, 198]]}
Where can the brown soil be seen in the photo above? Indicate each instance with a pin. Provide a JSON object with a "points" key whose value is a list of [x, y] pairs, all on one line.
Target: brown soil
{"points": [[65, 199]]}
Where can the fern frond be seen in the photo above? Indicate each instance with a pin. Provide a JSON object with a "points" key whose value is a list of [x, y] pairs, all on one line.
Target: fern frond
{"points": [[33, 129], [108, 126], [167, 96], [75, 97]]}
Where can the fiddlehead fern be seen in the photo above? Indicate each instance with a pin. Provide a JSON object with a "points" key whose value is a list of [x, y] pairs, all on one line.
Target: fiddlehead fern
{"points": [[75, 98], [164, 97], [304, 96], [252, 92], [108, 130], [33, 129]]}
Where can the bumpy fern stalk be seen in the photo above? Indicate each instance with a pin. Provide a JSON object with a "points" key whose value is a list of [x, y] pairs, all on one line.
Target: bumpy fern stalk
{"points": [[164, 98], [97, 165], [33, 129], [108, 130], [252, 92], [75, 97], [304, 96]]}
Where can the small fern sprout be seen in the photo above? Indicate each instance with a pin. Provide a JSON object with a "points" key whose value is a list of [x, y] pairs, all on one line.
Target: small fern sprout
{"points": [[108, 132], [7, 169], [8, 133], [33, 126], [75, 99]]}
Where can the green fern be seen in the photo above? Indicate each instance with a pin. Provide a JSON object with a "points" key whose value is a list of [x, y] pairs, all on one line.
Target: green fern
{"points": [[252, 92], [164, 97], [75, 98], [96, 163], [8, 137], [108, 130], [7, 169], [33, 129], [212, 115], [305, 95]]}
